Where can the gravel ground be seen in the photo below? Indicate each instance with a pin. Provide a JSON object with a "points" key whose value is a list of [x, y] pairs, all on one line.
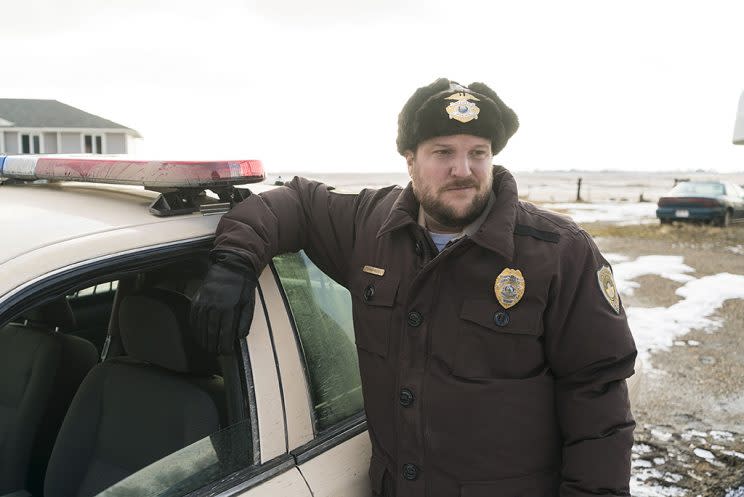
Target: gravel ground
{"points": [[690, 408]]}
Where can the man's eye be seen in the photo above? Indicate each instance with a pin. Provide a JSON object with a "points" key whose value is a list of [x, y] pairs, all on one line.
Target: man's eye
{"points": [[442, 152]]}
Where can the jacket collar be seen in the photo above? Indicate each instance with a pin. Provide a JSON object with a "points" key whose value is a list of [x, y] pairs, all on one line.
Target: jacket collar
{"points": [[497, 231]]}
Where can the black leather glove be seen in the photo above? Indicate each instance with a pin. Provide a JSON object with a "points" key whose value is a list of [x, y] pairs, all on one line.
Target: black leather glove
{"points": [[222, 308]]}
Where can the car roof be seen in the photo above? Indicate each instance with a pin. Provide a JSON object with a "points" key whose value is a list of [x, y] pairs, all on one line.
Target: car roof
{"points": [[51, 226]]}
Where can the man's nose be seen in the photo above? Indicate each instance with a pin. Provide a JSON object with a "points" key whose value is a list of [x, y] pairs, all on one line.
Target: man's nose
{"points": [[461, 167]]}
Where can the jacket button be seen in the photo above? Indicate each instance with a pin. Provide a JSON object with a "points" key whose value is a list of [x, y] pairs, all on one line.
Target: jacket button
{"points": [[369, 292], [419, 248], [415, 319], [406, 397], [501, 318], [410, 472]]}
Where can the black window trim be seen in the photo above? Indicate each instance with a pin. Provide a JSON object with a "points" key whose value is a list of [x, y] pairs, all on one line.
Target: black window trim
{"points": [[49, 286], [245, 479], [330, 438]]}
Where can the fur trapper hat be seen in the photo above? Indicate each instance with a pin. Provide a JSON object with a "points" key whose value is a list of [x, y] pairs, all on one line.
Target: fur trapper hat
{"points": [[447, 108]]}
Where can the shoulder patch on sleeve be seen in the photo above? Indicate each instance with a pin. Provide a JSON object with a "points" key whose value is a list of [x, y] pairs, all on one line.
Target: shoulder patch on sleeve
{"points": [[548, 236], [608, 287]]}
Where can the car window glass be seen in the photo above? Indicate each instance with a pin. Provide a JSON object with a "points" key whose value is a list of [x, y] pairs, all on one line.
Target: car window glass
{"points": [[321, 309], [91, 307], [693, 188], [191, 468], [108, 287]]}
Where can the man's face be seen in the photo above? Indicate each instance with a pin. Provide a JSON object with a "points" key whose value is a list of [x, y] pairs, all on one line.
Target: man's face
{"points": [[452, 178]]}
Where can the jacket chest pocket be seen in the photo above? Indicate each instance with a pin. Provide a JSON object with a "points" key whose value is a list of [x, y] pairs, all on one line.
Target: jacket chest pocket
{"points": [[493, 342], [373, 304]]}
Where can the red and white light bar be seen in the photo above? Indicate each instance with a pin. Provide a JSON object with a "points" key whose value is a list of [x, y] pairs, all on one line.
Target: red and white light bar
{"points": [[127, 171]]}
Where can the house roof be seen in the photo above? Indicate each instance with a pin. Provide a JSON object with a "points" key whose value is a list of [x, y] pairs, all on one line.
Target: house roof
{"points": [[34, 113]]}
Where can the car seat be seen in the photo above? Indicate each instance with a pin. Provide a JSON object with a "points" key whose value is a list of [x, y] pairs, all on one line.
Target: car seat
{"points": [[132, 410], [40, 370]]}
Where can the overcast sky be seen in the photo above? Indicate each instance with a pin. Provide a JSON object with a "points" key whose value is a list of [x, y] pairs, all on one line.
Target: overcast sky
{"points": [[317, 86]]}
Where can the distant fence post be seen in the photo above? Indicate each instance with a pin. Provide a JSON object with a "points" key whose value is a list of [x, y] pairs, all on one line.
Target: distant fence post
{"points": [[578, 191]]}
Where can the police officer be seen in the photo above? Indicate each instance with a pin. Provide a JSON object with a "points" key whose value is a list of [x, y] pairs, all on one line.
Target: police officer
{"points": [[493, 347]]}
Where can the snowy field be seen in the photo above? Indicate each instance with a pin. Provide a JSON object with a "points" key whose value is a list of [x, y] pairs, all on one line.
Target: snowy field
{"points": [[545, 186], [658, 328]]}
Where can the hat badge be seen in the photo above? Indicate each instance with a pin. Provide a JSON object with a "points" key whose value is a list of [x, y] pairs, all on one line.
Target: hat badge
{"points": [[462, 109], [509, 287]]}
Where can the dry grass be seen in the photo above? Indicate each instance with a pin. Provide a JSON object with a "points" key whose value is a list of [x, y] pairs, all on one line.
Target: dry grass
{"points": [[677, 232]]}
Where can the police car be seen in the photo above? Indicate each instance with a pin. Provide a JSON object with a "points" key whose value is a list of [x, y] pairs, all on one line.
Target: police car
{"points": [[102, 389]]}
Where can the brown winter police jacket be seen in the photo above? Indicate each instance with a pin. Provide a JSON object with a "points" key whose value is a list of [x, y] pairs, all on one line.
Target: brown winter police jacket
{"points": [[464, 397]]}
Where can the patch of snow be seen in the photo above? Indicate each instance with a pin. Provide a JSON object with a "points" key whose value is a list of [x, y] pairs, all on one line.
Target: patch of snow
{"points": [[615, 258], [656, 328], [739, 249], [694, 433], [659, 460], [641, 449], [734, 453], [660, 435], [641, 489], [704, 454], [622, 213], [667, 266], [672, 477], [693, 343], [721, 435], [736, 492], [641, 463]]}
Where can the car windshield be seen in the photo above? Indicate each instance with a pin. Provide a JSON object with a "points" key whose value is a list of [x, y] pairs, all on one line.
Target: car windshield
{"points": [[693, 188]]}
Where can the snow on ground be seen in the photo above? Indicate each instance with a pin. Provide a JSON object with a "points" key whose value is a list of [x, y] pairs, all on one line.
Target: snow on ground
{"points": [[657, 328], [621, 213], [667, 266]]}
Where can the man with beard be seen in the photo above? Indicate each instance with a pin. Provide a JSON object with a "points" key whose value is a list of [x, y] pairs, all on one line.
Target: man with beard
{"points": [[493, 348]]}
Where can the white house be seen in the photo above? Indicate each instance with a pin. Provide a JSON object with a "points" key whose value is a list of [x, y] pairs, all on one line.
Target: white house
{"points": [[30, 126]]}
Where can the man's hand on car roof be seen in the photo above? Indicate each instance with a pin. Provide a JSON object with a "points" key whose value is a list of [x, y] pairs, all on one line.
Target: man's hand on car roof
{"points": [[222, 308]]}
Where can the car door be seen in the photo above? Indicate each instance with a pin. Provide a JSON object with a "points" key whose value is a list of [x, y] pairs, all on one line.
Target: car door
{"points": [[250, 456], [313, 331]]}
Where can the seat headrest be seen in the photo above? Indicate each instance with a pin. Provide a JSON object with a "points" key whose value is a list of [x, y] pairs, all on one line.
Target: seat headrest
{"points": [[154, 327], [54, 314]]}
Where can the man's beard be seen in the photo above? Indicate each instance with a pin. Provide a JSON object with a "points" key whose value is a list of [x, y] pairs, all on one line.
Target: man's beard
{"points": [[446, 215]]}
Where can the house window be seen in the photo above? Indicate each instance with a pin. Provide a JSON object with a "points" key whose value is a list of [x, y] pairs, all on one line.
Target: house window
{"points": [[93, 144], [30, 144]]}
